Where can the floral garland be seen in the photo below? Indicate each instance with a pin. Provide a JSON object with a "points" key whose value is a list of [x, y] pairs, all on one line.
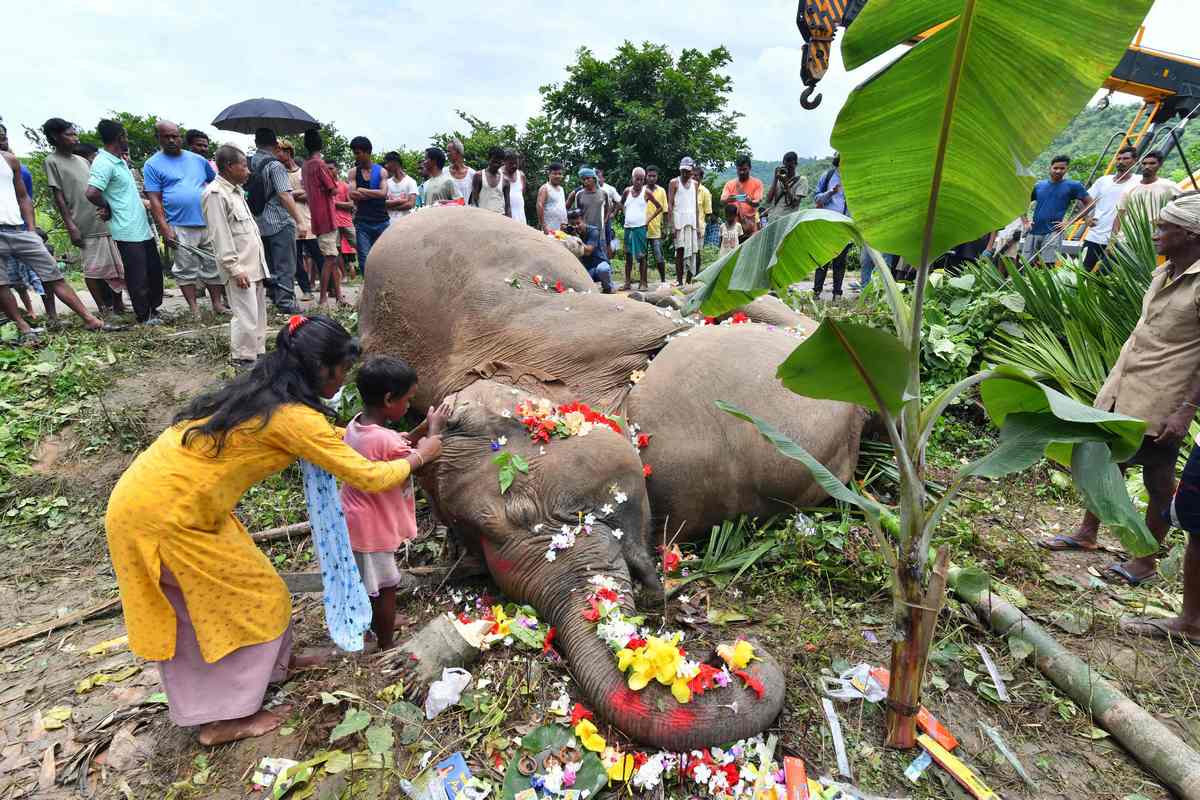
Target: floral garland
{"points": [[567, 535], [744, 769], [650, 658], [544, 420]]}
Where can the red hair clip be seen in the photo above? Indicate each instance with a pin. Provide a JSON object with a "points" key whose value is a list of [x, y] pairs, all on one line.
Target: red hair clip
{"points": [[295, 322]]}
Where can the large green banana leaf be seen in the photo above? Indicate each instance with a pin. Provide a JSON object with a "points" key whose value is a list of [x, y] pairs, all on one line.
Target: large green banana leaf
{"points": [[935, 147]]}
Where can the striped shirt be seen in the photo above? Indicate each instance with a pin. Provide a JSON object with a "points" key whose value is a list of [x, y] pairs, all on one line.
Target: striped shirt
{"points": [[274, 217]]}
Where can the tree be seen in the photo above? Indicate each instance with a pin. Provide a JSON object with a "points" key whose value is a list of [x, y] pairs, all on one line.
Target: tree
{"points": [[937, 105], [643, 107]]}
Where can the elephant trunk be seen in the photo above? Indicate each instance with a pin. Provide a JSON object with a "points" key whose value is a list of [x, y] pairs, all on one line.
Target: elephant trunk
{"points": [[653, 716]]}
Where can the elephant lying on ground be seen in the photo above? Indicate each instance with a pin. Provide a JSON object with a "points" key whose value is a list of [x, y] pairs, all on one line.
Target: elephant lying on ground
{"points": [[495, 313]]}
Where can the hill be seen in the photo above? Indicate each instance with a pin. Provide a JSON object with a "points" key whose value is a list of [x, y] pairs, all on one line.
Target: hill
{"points": [[1087, 136]]}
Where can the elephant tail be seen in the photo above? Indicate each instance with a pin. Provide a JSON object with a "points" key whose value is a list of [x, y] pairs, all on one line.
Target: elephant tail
{"points": [[652, 716]]}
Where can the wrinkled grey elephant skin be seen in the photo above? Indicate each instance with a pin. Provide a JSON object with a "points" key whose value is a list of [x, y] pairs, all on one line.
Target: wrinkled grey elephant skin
{"points": [[452, 291]]}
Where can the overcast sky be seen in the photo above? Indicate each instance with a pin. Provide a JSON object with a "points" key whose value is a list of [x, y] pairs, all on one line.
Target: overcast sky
{"points": [[396, 72]]}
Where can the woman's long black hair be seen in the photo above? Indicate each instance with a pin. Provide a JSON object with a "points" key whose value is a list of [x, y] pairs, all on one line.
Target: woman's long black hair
{"points": [[305, 350]]}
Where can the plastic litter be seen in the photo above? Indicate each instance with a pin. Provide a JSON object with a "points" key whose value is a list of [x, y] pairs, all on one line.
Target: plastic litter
{"points": [[855, 683], [839, 744], [447, 691], [917, 768], [1001, 689], [845, 790], [1008, 754]]}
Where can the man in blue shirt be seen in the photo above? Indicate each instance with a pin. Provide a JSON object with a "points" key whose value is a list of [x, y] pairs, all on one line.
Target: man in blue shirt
{"points": [[594, 249], [1052, 198], [174, 179]]}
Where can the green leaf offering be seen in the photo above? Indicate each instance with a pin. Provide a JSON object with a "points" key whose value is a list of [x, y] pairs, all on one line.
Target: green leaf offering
{"points": [[591, 775], [355, 720], [510, 464]]}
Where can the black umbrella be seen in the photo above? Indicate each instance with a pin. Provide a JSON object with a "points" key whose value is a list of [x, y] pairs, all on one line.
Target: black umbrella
{"points": [[250, 115]]}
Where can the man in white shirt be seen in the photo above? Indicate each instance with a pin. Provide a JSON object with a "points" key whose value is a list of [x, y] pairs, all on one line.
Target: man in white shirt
{"points": [[401, 188], [1147, 196], [1107, 192]]}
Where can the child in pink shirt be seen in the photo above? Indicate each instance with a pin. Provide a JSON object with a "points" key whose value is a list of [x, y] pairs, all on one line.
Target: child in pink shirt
{"points": [[379, 523]]}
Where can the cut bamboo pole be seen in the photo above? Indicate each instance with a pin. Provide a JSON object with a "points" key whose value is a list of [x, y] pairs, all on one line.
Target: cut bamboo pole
{"points": [[298, 529], [1151, 743], [11, 637]]}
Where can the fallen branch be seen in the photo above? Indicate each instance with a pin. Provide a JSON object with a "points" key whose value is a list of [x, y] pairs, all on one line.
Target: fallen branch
{"points": [[297, 529], [1150, 742], [11, 637]]}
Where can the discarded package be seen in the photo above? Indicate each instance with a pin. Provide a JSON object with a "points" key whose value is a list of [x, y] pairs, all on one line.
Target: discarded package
{"points": [[273, 773], [839, 743], [446, 780], [960, 771], [917, 768], [855, 683], [846, 791], [447, 691]]}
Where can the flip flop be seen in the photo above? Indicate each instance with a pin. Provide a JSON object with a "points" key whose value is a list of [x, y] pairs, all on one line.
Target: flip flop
{"points": [[1062, 543], [1122, 572], [1153, 628]]}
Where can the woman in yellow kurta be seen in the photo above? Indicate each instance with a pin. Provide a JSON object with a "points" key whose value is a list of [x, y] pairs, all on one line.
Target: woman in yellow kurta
{"points": [[199, 596]]}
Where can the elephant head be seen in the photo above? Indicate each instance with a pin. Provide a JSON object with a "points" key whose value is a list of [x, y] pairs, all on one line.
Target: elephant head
{"points": [[588, 490]]}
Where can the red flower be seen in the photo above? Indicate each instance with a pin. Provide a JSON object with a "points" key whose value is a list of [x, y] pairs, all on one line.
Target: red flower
{"points": [[710, 320], [463, 618], [558, 287], [579, 713], [634, 643], [647, 470], [643, 441], [751, 681], [704, 680], [731, 774], [670, 561], [607, 594], [537, 280], [740, 317], [639, 759], [548, 642], [592, 613]]}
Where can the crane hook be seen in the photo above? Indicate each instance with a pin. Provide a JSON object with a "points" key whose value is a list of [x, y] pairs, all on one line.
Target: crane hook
{"points": [[806, 94]]}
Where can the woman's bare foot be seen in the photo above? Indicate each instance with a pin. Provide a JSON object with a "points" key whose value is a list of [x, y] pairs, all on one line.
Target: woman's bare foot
{"points": [[259, 723], [309, 660]]}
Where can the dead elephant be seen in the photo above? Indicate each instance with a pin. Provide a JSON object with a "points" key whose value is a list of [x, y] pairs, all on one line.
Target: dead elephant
{"points": [[498, 314]]}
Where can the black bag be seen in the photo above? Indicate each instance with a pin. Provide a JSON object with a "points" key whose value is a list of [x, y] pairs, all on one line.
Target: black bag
{"points": [[260, 189]]}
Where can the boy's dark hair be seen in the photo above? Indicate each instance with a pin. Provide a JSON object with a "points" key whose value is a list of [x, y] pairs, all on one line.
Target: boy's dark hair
{"points": [[496, 152], [743, 161], [436, 155], [312, 140], [651, 168], [554, 167], [1156, 154], [392, 155], [193, 135], [53, 127], [731, 208], [382, 376], [1128, 149], [1060, 159], [360, 143], [109, 130], [265, 137]]}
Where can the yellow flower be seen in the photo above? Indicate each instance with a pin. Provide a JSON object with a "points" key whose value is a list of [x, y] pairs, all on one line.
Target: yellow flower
{"points": [[589, 737], [681, 690], [503, 623], [622, 770], [625, 658], [738, 655]]}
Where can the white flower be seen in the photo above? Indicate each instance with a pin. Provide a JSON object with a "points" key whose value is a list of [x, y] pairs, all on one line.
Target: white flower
{"points": [[551, 555], [506, 414], [503, 440], [562, 706], [589, 520], [537, 528], [620, 497], [683, 598], [618, 533], [606, 509], [566, 530], [542, 450]]}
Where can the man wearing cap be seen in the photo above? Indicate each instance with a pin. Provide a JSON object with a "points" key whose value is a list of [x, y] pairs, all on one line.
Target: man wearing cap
{"points": [[593, 255], [683, 211], [591, 201], [1157, 378]]}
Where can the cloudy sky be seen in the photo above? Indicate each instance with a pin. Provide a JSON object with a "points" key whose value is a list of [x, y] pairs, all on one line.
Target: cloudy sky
{"points": [[397, 72]]}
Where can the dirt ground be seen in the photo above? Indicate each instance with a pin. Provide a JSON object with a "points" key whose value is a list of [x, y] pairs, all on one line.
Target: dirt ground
{"points": [[818, 603]]}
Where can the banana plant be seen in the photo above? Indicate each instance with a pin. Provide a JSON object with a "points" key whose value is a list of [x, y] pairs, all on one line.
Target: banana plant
{"points": [[934, 149]]}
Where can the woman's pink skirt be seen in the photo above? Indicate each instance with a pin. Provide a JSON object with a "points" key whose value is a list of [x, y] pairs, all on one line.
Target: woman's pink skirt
{"points": [[231, 688]]}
